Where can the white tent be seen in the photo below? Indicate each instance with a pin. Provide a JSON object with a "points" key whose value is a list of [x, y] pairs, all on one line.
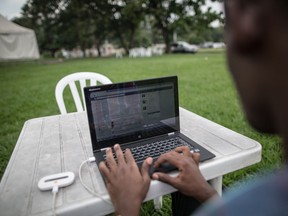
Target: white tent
{"points": [[17, 42]]}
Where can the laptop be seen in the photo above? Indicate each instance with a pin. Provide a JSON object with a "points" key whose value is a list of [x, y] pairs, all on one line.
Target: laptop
{"points": [[140, 115]]}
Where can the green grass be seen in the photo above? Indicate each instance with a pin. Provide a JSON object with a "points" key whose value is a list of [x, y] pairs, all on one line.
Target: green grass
{"points": [[205, 87]]}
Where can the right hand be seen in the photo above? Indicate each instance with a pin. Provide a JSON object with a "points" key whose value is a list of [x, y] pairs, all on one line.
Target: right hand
{"points": [[190, 181]]}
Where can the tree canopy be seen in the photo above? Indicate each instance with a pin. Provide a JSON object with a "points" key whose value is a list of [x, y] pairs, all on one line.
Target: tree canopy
{"points": [[127, 23]]}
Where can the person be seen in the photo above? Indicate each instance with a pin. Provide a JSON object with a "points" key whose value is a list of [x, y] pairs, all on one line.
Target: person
{"points": [[256, 33]]}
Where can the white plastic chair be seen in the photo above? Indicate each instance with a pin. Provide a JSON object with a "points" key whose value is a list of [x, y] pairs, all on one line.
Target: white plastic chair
{"points": [[71, 80]]}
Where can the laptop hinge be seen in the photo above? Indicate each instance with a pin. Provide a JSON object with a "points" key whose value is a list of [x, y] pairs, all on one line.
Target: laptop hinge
{"points": [[171, 134]]}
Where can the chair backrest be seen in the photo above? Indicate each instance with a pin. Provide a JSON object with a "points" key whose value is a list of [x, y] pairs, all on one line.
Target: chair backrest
{"points": [[71, 80]]}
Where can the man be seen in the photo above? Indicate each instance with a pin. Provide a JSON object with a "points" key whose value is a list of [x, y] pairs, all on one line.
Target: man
{"points": [[257, 51]]}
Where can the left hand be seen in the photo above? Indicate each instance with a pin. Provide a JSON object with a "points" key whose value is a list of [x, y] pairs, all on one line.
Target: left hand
{"points": [[126, 185]]}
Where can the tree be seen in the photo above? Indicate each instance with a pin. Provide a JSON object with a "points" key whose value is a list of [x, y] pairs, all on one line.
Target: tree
{"points": [[124, 21], [74, 26], [98, 15], [169, 15], [114, 19], [70, 23], [42, 16]]}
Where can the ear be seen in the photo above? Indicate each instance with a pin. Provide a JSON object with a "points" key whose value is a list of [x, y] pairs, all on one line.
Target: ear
{"points": [[244, 25]]}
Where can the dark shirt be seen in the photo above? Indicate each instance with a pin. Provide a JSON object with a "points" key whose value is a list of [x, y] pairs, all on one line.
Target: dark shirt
{"points": [[265, 196]]}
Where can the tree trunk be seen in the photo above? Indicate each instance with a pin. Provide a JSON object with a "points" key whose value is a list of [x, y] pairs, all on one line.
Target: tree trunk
{"points": [[165, 33], [83, 50], [98, 40], [166, 37], [98, 46], [131, 39], [53, 52], [122, 41]]}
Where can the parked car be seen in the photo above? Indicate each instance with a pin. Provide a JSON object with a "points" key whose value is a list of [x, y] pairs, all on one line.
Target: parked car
{"points": [[207, 44], [214, 45], [183, 47]]}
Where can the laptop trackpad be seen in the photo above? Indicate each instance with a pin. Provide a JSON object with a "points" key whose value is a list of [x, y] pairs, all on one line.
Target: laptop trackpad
{"points": [[164, 167]]}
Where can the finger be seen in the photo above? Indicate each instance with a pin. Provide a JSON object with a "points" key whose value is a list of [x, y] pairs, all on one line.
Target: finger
{"points": [[196, 158], [104, 169], [165, 178], [119, 154], [171, 157], [145, 169], [184, 150], [111, 163], [129, 157]]}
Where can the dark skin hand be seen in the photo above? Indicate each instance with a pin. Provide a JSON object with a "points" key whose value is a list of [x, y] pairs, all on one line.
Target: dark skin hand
{"points": [[125, 174], [126, 185], [189, 180]]}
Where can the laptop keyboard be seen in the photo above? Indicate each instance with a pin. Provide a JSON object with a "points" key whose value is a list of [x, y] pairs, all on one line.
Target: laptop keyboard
{"points": [[155, 149]]}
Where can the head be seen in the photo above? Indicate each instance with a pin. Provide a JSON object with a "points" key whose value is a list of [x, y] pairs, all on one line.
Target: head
{"points": [[257, 51]]}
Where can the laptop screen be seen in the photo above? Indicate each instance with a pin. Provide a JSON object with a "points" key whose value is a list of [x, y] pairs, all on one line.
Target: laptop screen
{"points": [[126, 112]]}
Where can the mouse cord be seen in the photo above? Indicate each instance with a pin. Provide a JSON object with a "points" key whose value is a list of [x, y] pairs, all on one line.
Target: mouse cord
{"points": [[55, 190], [91, 159]]}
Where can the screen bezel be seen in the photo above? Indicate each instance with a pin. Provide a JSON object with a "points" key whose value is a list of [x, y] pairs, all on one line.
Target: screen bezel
{"points": [[108, 143]]}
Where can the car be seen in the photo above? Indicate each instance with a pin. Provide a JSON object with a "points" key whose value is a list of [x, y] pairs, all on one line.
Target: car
{"points": [[183, 47]]}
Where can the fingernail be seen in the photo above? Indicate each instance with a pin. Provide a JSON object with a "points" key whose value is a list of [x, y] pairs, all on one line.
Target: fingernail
{"points": [[155, 176], [116, 146], [149, 160], [107, 150]]}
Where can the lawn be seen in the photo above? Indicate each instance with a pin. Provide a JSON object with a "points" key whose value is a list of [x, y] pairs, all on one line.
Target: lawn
{"points": [[205, 87]]}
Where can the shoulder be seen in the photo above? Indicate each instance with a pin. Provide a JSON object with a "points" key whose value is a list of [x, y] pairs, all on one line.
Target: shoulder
{"points": [[265, 196]]}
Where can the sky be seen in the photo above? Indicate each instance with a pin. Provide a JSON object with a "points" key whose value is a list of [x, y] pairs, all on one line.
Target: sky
{"points": [[12, 8]]}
